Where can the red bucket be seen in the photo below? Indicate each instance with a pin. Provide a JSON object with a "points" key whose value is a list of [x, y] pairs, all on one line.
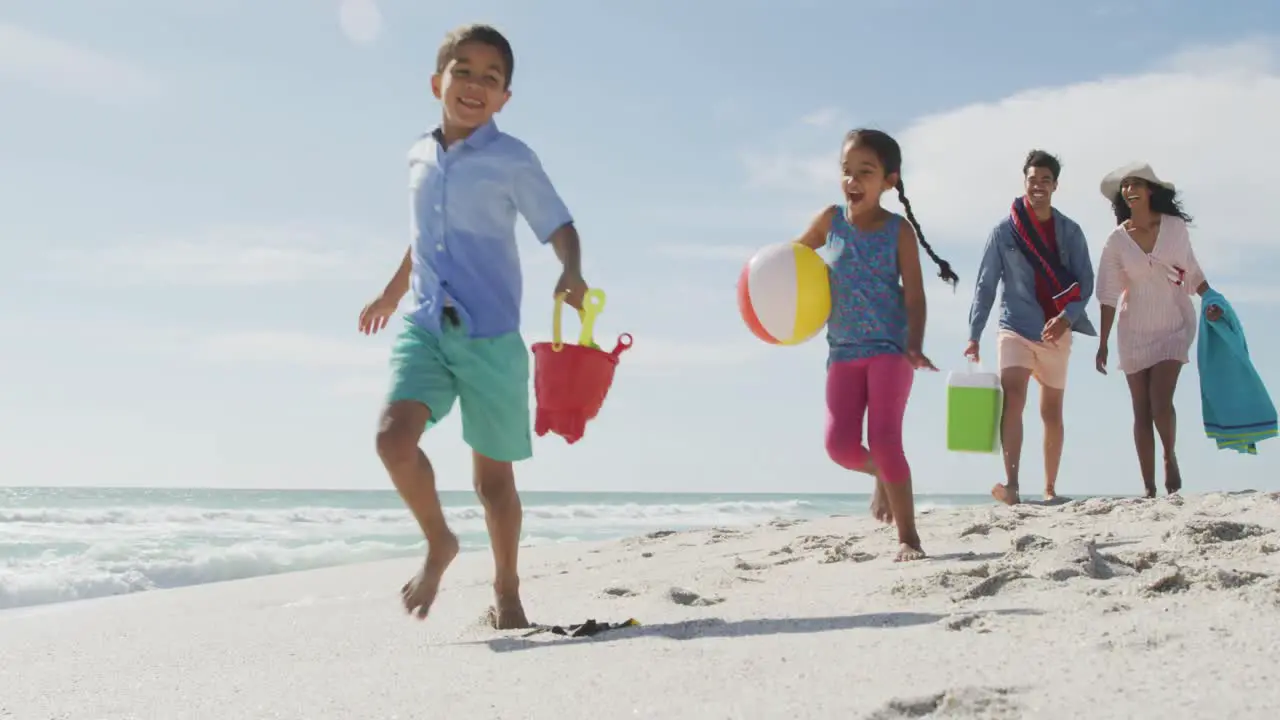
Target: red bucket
{"points": [[570, 381]]}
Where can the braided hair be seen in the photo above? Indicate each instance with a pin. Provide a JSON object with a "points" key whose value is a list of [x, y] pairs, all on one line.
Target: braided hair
{"points": [[890, 156]]}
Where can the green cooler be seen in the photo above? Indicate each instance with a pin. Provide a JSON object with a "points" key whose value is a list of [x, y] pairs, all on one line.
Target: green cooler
{"points": [[973, 411]]}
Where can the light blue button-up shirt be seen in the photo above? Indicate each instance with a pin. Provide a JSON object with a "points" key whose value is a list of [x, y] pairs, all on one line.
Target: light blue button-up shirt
{"points": [[464, 201], [1020, 311]]}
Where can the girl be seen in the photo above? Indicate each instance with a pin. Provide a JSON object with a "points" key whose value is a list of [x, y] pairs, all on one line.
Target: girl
{"points": [[1148, 270], [876, 328]]}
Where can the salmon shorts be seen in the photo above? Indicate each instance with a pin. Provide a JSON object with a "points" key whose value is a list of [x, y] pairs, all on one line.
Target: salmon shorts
{"points": [[1046, 361]]}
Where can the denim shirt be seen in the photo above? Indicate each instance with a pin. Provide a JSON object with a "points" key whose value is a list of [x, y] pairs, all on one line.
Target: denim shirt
{"points": [[1020, 311], [465, 199]]}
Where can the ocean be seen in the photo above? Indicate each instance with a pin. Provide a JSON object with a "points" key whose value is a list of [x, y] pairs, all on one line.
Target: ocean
{"points": [[63, 544]]}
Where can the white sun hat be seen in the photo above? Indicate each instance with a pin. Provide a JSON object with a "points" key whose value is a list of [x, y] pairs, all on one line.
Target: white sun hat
{"points": [[1142, 171]]}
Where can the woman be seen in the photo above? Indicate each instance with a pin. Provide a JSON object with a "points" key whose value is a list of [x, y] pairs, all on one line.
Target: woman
{"points": [[1148, 272]]}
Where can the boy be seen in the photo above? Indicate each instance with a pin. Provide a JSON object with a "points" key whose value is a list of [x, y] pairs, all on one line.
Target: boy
{"points": [[461, 340]]}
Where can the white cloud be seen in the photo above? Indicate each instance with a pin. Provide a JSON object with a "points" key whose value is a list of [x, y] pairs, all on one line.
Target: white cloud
{"points": [[1246, 57], [290, 348], [266, 347], [238, 256], [658, 355], [823, 118], [705, 251], [29, 57], [360, 20], [1204, 118]]}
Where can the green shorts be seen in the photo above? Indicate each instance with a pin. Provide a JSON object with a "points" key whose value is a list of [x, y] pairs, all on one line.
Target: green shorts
{"points": [[489, 377]]}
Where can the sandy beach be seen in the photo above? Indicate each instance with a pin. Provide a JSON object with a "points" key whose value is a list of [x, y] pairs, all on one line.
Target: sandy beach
{"points": [[1095, 609]]}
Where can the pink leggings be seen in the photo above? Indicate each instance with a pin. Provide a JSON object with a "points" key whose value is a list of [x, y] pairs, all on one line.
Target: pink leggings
{"points": [[877, 387]]}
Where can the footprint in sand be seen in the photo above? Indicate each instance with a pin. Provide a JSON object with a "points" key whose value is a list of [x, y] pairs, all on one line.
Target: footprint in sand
{"points": [[845, 552], [689, 598], [719, 535], [984, 528], [1212, 532], [1166, 580], [1030, 543], [618, 591], [1136, 640], [991, 586], [940, 583], [990, 703], [1076, 558], [976, 622]]}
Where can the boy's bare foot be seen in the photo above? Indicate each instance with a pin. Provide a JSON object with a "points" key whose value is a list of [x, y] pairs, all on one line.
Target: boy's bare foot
{"points": [[1005, 494], [420, 592], [880, 508], [507, 613]]}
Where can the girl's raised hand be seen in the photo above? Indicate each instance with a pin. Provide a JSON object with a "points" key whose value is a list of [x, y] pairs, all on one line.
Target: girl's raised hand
{"points": [[919, 361]]}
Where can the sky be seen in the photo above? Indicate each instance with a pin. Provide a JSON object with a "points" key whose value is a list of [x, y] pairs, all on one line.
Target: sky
{"points": [[197, 198]]}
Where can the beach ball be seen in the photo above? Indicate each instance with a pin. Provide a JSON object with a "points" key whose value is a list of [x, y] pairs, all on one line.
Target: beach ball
{"points": [[784, 294]]}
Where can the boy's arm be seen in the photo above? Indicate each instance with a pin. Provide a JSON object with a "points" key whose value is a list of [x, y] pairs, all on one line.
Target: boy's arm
{"points": [[912, 286], [399, 283], [984, 294], [538, 202], [568, 248], [1082, 268]]}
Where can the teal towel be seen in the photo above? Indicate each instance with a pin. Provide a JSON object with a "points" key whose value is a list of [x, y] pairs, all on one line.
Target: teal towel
{"points": [[1238, 412]]}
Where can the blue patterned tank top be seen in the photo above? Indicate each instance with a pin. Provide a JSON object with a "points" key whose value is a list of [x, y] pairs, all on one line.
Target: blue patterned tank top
{"points": [[868, 310]]}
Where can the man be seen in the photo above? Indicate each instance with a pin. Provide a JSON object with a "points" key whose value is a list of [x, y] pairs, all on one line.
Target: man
{"points": [[1043, 260]]}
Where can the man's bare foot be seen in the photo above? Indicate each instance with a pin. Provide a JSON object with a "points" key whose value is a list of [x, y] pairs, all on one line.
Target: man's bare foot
{"points": [[1172, 476], [1006, 494], [507, 613], [420, 592], [1149, 492], [908, 552], [880, 508]]}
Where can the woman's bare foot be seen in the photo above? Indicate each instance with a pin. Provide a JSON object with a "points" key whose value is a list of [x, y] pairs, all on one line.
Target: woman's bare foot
{"points": [[880, 508], [420, 591], [1006, 494], [1172, 475]]}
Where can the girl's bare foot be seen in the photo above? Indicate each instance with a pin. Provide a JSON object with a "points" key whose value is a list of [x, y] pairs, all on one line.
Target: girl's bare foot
{"points": [[909, 548], [1006, 494], [907, 553], [880, 507], [420, 592], [1172, 475]]}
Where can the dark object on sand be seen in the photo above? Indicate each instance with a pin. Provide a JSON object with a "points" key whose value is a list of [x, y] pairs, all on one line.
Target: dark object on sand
{"points": [[589, 628]]}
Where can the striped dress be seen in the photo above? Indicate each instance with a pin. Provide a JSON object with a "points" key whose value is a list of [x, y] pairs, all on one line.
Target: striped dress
{"points": [[1151, 292]]}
